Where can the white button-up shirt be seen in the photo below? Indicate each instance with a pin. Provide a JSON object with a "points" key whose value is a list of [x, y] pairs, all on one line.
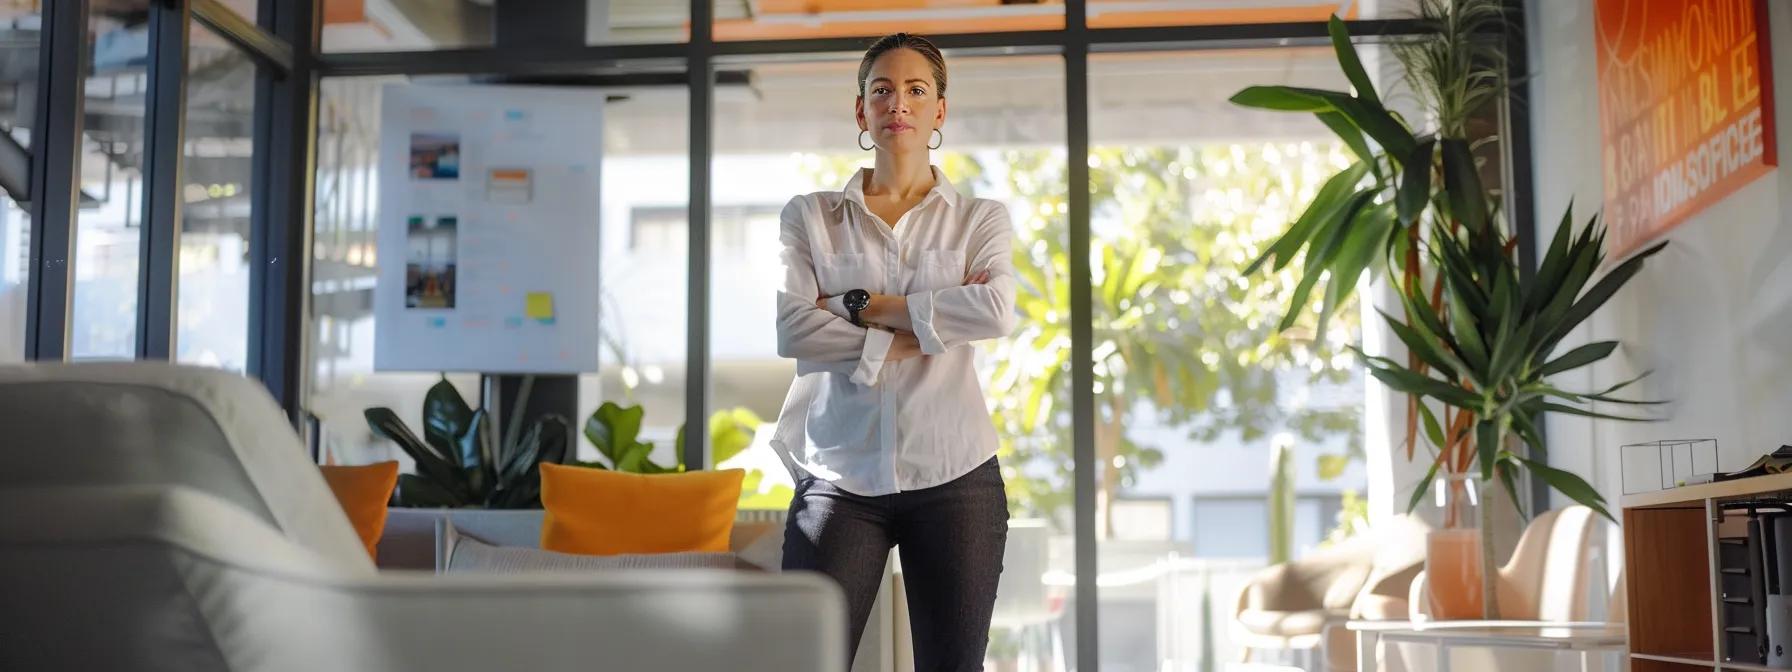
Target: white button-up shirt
{"points": [[875, 427]]}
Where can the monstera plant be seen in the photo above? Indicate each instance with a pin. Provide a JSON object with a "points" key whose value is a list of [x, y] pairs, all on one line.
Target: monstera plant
{"points": [[461, 462]]}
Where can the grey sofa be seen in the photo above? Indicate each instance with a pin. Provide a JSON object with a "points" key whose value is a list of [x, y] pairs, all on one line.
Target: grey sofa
{"points": [[413, 540], [155, 517]]}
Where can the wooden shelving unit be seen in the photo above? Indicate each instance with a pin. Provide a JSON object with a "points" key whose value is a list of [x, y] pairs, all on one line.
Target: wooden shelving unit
{"points": [[1671, 555]]}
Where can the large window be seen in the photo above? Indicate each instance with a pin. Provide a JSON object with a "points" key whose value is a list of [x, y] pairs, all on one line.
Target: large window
{"points": [[1193, 380], [343, 274], [792, 132], [213, 287], [18, 73], [109, 225], [642, 263]]}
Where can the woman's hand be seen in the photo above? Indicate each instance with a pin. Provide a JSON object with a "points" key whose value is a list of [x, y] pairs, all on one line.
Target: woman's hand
{"points": [[904, 346]]}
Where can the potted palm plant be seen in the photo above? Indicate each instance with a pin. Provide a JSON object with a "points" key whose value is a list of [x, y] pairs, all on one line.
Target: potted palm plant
{"points": [[1481, 339]]}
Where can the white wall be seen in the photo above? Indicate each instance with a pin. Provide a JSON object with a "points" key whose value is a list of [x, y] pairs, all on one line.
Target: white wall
{"points": [[1711, 315]]}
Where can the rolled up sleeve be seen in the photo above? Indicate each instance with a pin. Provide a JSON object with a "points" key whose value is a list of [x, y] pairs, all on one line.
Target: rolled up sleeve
{"points": [[808, 333], [955, 316]]}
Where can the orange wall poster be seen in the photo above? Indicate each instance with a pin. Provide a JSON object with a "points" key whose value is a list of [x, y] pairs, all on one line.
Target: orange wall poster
{"points": [[1685, 109]]}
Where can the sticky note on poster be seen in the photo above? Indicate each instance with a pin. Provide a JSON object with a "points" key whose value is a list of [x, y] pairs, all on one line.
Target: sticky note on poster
{"points": [[509, 186], [539, 306]]}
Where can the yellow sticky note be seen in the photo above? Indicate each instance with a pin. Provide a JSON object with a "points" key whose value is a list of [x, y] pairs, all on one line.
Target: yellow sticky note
{"points": [[539, 306]]}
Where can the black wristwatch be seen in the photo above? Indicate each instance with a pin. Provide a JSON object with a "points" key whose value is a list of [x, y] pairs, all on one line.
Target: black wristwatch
{"points": [[857, 300]]}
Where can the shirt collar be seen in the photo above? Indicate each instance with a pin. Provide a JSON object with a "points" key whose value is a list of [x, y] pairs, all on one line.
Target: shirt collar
{"points": [[855, 189]]}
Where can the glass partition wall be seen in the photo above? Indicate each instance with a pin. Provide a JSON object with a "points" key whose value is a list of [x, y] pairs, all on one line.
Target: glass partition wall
{"points": [[1137, 401]]}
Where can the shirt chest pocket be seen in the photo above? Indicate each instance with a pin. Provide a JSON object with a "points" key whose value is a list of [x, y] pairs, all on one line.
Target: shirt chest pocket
{"points": [[842, 273], [939, 269]]}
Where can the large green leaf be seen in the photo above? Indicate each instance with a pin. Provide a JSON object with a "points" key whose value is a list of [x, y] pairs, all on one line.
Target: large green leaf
{"points": [[1597, 296], [1423, 346], [1321, 213], [385, 424], [1578, 357], [1319, 259], [1465, 332], [1404, 380], [633, 459], [482, 474], [1433, 429], [1572, 410], [446, 418], [1357, 253], [614, 429], [1375, 121], [1554, 267], [1584, 257], [518, 459], [1415, 181], [730, 432], [1509, 349], [1353, 138], [1505, 469], [1575, 487], [1282, 98], [1350, 62], [1462, 183], [1426, 323]]}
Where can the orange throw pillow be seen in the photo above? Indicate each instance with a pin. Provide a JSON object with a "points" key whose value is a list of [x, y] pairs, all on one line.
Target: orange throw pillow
{"points": [[363, 492], [600, 512]]}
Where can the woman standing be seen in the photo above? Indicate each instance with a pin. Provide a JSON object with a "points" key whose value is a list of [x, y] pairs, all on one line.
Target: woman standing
{"points": [[887, 283]]}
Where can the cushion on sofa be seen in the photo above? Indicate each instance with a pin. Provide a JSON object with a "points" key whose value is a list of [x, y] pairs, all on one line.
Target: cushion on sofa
{"points": [[600, 512], [363, 492]]}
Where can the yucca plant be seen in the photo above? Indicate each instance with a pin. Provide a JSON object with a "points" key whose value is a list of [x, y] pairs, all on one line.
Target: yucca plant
{"points": [[460, 461], [1371, 215], [1492, 351]]}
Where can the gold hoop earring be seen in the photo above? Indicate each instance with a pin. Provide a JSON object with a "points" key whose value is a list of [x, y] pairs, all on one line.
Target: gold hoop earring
{"points": [[941, 142], [862, 135]]}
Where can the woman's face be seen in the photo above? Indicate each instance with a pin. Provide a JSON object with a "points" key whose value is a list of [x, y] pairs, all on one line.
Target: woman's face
{"points": [[900, 105]]}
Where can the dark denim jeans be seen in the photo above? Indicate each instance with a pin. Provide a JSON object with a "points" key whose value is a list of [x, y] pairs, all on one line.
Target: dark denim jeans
{"points": [[951, 538]]}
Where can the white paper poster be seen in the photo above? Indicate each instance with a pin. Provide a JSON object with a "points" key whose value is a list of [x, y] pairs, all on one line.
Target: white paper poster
{"points": [[488, 229]]}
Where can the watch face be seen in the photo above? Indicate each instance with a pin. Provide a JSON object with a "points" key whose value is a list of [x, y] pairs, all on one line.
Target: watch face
{"points": [[858, 299]]}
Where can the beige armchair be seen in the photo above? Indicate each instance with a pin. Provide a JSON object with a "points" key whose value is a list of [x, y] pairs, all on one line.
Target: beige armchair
{"points": [[1302, 605]]}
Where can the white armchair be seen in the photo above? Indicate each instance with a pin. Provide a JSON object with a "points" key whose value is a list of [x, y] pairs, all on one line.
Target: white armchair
{"points": [[1550, 576], [155, 517]]}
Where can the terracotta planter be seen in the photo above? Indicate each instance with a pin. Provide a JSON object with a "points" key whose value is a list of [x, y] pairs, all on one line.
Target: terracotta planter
{"points": [[1453, 551]]}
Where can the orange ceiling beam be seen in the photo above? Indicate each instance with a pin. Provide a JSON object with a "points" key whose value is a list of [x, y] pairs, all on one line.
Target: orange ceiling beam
{"points": [[789, 23]]}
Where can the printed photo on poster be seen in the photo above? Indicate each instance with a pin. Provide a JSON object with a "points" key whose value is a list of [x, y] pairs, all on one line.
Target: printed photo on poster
{"points": [[509, 186], [435, 156], [429, 272]]}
